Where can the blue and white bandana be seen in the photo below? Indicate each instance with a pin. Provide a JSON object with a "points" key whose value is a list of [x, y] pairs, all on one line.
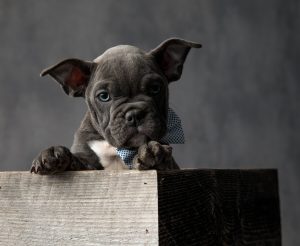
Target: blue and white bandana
{"points": [[174, 135]]}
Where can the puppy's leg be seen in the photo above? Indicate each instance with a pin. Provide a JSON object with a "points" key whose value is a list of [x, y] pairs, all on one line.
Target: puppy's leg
{"points": [[57, 159], [154, 155]]}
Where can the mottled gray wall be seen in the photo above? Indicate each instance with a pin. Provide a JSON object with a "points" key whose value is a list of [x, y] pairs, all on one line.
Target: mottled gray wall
{"points": [[238, 96]]}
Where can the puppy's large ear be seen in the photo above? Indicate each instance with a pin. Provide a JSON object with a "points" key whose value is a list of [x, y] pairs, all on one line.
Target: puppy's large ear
{"points": [[170, 56], [72, 74]]}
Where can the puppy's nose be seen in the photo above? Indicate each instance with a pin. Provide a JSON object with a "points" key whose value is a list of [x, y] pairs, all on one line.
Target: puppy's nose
{"points": [[134, 117]]}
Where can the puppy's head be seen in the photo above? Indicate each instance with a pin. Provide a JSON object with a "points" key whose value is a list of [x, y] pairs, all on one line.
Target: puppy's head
{"points": [[126, 89]]}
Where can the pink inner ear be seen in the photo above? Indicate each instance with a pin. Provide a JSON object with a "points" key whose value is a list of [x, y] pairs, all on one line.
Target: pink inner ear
{"points": [[168, 64], [76, 79]]}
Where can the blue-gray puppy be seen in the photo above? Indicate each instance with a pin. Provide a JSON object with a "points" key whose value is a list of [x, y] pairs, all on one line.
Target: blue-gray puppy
{"points": [[126, 91]]}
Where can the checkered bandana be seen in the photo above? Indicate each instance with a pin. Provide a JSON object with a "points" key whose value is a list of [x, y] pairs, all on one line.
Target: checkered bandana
{"points": [[174, 135]]}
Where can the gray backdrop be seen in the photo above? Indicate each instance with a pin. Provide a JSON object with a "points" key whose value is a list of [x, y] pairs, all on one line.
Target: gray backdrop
{"points": [[238, 96]]}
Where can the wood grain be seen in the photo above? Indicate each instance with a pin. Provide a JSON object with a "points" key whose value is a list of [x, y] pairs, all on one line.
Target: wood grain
{"points": [[79, 208], [219, 207]]}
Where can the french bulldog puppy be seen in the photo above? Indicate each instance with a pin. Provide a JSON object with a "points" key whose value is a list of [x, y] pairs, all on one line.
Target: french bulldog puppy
{"points": [[126, 91]]}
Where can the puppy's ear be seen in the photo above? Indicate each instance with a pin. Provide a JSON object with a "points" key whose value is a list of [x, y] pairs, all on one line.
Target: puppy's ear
{"points": [[72, 74], [170, 56]]}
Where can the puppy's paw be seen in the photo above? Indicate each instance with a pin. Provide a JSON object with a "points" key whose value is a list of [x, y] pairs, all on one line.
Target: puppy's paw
{"points": [[153, 155], [52, 160]]}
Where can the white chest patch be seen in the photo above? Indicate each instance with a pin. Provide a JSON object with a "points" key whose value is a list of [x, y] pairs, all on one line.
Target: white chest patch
{"points": [[107, 154]]}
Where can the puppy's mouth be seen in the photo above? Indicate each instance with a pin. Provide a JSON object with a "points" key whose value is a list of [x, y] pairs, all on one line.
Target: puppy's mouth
{"points": [[140, 135], [132, 132], [137, 140]]}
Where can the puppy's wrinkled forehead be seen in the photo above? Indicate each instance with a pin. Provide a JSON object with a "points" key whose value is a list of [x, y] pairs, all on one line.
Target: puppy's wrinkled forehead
{"points": [[123, 63]]}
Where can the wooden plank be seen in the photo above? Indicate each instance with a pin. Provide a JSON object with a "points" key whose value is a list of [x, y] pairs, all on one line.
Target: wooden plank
{"points": [[219, 207], [194, 207], [79, 208]]}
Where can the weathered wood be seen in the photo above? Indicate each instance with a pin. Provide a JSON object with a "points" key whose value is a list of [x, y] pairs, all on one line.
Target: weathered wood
{"points": [[79, 208], [219, 207], [188, 207]]}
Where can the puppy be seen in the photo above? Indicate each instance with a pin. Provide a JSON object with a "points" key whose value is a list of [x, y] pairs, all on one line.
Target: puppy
{"points": [[126, 91]]}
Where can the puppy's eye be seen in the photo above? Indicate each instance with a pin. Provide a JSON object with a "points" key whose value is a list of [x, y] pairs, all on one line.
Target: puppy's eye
{"points": [[154, 89], [104, 96]]}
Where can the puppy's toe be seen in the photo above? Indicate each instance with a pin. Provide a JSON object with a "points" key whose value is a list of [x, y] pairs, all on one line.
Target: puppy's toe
{"points": [[36, 166]]}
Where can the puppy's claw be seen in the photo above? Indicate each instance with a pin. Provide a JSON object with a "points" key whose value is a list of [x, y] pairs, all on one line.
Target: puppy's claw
{"points": [[32, 169], [38, 169]]}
